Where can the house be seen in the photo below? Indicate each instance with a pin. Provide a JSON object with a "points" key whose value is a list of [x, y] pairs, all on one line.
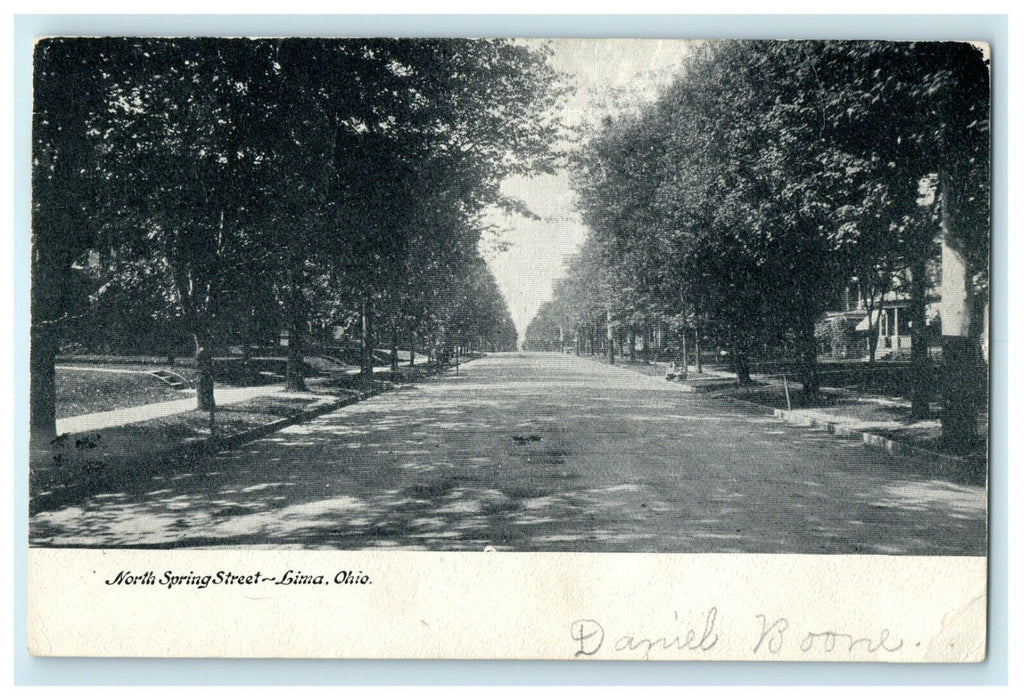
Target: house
{"points": [[844, 331]]}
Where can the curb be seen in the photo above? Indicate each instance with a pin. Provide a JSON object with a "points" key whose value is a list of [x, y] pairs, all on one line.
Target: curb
{"points": [[206, 447], [871, 439], [211, 445], [226, 442], [890, 445], [685, 383]]}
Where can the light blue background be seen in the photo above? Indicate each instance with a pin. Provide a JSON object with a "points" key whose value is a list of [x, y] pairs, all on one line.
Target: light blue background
{"points": [[991, 28]]}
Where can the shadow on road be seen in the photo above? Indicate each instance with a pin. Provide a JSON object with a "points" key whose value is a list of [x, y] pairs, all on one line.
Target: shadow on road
{"points": [[533, 454]]}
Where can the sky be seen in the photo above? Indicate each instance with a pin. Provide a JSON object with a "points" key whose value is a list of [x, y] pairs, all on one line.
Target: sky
{"points": [[535, 251]]}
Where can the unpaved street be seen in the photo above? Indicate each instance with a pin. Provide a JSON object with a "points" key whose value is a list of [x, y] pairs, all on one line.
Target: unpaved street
{"points": [[539, 453]]}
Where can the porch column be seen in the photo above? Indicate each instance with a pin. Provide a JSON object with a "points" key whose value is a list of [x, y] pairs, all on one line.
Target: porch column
{"points": [[896, 330]]}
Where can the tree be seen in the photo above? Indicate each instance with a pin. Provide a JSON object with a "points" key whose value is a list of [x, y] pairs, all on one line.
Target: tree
{"points": [[238, 171], [65, 188], [738, 199], [923, 110], [175, 139], [771, 173]]}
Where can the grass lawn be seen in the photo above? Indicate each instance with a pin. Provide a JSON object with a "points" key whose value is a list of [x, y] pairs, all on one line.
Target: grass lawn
{"points": [[871, 413], [84, 463], [82, 391], [113, 456]]}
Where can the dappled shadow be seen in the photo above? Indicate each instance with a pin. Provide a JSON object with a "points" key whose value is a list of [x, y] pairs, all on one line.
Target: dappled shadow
{"points": [[97, 463], [542, 454]]}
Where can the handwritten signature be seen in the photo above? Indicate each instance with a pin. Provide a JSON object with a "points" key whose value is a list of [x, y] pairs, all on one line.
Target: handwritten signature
{"points": [[772, 636], [590, 635]]}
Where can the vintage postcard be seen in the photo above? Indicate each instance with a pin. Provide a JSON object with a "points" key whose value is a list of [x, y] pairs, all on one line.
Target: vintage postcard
{"points": [[510, 348]]}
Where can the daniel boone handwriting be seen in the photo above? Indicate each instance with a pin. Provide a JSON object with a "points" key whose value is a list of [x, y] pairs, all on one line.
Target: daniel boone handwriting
{"points": [[590, 637]]}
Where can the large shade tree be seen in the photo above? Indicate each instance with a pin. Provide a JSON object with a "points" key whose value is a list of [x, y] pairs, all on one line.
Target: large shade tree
{"points": [[771, 174], [315, 174]]}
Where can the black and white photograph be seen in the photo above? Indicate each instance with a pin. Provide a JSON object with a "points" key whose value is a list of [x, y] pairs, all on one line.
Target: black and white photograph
{"points": [[630, 296]]}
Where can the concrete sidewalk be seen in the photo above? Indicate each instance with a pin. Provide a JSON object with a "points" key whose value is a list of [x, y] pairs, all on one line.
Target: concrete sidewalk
{"points": [[137, 414], [107, 370], [870, 431]]}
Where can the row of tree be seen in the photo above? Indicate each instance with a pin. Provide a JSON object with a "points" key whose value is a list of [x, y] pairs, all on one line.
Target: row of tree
{"points": [[226, 185], [771, 174]]}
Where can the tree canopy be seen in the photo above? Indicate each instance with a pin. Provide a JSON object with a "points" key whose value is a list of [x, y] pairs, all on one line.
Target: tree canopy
{"points": [[769, 175], [294, 182]]}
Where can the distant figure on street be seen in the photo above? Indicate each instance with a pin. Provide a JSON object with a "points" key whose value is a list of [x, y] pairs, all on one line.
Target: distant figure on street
{"points": [[676, 371]]}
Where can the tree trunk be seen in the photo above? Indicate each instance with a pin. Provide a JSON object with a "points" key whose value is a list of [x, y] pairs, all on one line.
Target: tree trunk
{"points": [[610, 340], [872, 336], [984, 338], [47, 305], [685, 354], [808, 352], [43, 347], [367, 369], [921, 366], [410, 360], [632, 344], [295, 350], [394, 356], [198, 317], [741, 365], [867, 288], [205, 371], [646, 345], [248, 374], [961, 358], [696, 345]]}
